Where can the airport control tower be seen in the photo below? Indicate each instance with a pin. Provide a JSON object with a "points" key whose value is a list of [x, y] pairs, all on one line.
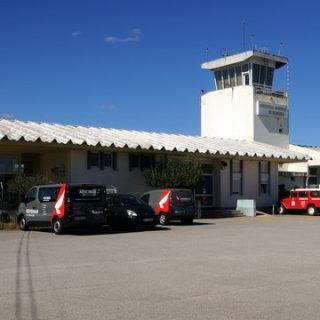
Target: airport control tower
{"points": [[245, 105]]}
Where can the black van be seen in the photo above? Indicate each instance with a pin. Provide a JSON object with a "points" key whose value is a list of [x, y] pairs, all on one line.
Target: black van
{"points": [[172, 204], [61, 206]]}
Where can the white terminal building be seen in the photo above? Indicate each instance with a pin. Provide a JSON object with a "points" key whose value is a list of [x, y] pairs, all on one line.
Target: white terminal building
{"points": [[243, 147]]}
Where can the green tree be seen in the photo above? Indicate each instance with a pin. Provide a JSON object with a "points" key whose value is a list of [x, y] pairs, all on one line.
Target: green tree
{"points": [[21, 183], [174, 174]]}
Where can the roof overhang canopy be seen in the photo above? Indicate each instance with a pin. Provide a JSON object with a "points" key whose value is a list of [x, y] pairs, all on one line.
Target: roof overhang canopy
{"points": [[33, 132], [243, 57]]}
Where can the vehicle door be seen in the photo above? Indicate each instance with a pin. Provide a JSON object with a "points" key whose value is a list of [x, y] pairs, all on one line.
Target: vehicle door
{"points": [[47, 197], [31, 205], [302, 201], [87, 200], [315, 198], [183, 199], [291, 201], [111, 209]]}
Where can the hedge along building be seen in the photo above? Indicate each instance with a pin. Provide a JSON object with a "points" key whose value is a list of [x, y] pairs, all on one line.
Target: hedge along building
{"points": [[232, 169]]}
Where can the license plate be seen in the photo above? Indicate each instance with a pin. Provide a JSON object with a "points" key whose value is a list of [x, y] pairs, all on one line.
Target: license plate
{"points": [[80, 218], [148, 219]]}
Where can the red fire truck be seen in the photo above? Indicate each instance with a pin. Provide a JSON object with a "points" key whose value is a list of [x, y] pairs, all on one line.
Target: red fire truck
{"points": [[301, 199]]}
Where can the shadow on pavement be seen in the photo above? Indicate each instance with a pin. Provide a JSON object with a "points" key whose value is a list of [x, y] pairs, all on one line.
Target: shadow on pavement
{"points": [[103, 230]]}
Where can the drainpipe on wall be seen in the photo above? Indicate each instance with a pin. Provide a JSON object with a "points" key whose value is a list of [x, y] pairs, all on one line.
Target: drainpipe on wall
{"points": [[307, 178], [1, 187]]}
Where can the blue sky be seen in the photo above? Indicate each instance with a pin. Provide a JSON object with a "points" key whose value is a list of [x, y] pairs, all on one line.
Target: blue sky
{"points": [[136, 64]]}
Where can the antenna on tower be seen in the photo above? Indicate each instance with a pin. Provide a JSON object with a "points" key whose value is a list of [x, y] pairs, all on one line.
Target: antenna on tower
{"points": [[280, 48], [288, 78], [252, 39], [244, 34], [224, 52], [207, 54]]}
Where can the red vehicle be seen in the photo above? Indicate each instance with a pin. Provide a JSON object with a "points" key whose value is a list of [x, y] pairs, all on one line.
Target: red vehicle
{"points": [[302, 199]]}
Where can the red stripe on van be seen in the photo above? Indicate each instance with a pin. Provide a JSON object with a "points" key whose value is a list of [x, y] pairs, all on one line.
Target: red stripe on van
{"points": [[59, 205], [164, 204]]}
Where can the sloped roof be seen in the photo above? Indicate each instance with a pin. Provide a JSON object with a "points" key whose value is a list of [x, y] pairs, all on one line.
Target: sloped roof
{"points": [[29, 131]]}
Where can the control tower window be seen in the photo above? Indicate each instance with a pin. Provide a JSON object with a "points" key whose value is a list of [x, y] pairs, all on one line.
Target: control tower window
{"points": [[238, 77], [232, 77], [263, 72], [255, 71], [226, 82], [262, 75], [245, 68], [269, 77], [217, 75]]}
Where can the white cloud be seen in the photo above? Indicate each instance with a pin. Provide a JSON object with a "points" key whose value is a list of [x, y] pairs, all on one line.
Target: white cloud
{"points": [[108, 108], [76, 34], [6, 115], [134, 37]]}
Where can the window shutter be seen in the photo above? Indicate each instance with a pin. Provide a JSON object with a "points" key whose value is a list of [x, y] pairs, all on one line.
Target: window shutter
{"points": [[114, 161], [101, 161], [241, 170], [259, 178], [141, 160], [88, 160], [269, 178], [231, 177]]}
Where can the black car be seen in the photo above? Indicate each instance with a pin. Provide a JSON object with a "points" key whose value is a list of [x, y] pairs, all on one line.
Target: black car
{"points": [[127, 209]]}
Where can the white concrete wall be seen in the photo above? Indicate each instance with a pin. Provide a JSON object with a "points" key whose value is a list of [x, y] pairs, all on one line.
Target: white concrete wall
{"points": [[232, 113], [122, 178], [228, 113], [133, 181], [250, 185], [54, 159], [266, 127], [292, 182]]}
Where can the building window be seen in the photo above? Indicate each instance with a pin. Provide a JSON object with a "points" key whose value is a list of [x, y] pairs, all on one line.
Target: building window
{"points": [[93, 159], [133, 161], [264, 178], [8, 164], [102, 160], [142, 161], [236, 177], [204, 189], [146, 161], [105, 159]]}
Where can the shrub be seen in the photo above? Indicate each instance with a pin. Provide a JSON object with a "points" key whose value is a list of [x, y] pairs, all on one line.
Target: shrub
{"points": [[21, 183], [174, 174]]}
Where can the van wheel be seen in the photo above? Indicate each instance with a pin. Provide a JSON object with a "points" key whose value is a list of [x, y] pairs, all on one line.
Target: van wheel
{"points": [[311, 210], [57, 226], [23, 225], [282, 209], [163, 220]]}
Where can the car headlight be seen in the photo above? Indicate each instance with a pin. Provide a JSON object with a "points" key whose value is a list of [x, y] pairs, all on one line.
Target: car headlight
{"points": [[131, 213]]}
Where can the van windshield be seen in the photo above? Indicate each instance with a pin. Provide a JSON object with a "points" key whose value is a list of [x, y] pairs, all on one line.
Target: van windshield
{"points": [[86, 193], [182, 197]]}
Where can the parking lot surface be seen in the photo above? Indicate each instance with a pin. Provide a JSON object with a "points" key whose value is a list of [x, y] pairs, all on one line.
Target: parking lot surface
{"points": [[237, 268]]}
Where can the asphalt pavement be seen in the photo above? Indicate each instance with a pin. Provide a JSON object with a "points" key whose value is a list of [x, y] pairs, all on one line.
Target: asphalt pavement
{"points": [[238, 268]]}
